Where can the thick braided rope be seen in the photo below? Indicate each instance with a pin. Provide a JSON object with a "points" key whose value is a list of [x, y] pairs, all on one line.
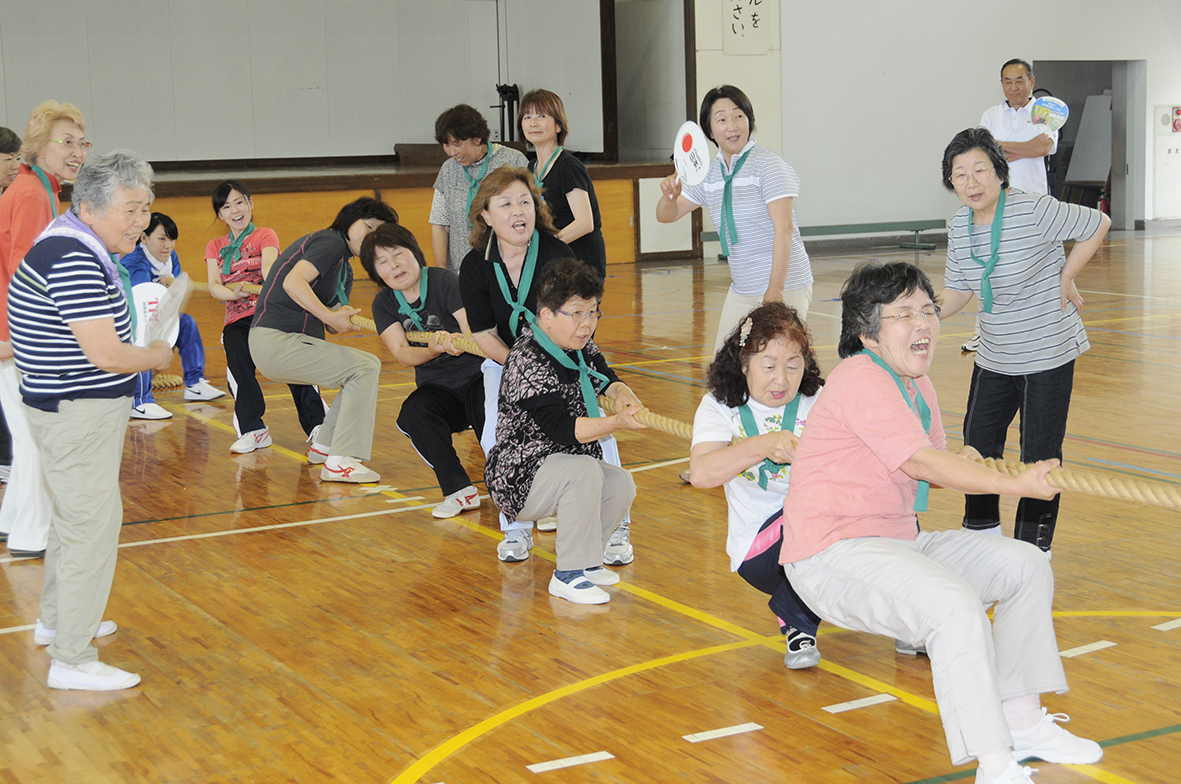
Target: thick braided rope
{"points": [[1087, 483], [1138, 490], [166, 381]]}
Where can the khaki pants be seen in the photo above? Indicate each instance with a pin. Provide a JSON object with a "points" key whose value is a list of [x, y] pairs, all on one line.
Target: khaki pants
{"points": [[299, 359], [736, 306], [81, 449], [590, 498]]}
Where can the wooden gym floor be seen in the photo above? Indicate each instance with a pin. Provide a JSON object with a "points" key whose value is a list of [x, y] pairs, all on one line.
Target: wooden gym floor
{"points": [[288, 630]]}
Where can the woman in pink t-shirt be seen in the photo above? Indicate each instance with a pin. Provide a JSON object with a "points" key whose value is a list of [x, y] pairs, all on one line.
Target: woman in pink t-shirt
{"points": [[853, 551], [244, 256]]}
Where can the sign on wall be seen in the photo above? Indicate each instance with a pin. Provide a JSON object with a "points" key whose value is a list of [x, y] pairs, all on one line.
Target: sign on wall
{"points": [[745, 29]]}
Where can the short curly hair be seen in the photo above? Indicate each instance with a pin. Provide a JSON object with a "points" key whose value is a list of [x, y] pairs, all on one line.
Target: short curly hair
{"points": [[493, 185], [726, 377], [460, 123], [40, 127]]}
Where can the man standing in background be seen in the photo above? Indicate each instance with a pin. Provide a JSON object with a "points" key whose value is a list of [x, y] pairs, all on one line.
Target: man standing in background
{"points": [[1026, 146]]}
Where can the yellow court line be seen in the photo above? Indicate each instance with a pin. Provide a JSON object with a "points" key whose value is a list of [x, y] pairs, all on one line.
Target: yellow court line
{"points": [[1099, 775], [871, 683], [451, 745]]}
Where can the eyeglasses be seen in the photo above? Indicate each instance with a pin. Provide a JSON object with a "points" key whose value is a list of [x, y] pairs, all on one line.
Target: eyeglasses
{"points": [[909, 316], [979, 175], [73, 145], [582, 316]]}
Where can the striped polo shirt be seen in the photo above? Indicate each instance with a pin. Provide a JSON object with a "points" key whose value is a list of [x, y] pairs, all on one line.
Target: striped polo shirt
{"points": [[1027, 331], [60, 281], [764, 178]]}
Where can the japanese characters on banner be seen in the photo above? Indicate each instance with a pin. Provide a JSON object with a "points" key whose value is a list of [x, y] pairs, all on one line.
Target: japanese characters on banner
{"points": [[745, 29]]}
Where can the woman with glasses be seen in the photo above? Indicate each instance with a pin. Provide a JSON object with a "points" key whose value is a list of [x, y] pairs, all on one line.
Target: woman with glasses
{"points": [[562, 179], [750, 196], [547, 459], [762, 384], [853, 551], [449, 394], [1005, 247], [513, 239], [54, 149]]}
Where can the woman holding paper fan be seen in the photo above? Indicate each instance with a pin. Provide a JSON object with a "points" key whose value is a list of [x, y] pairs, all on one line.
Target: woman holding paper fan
{"points": [[762, 384], [750, 195], [1005, 246], [563, 180], [244, 256]]}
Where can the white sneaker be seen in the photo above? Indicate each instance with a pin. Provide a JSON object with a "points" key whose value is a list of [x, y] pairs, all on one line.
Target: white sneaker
{"points": [[93, 676], [43, 636], [1015, 774], [459, 501], [973, 344], [515, 546], [150, 411], [581, 591], [203, 390], [1047, 741], [347, 469], [600, 576], [255, 439], [619, 547], [547, 523], [317, 452]]}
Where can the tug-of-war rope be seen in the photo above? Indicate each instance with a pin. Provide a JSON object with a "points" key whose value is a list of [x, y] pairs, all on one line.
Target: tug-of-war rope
{"points": [[1086, 482]]}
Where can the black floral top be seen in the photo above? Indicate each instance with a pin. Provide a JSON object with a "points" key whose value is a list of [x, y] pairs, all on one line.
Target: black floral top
{"points": [[539, 403]]}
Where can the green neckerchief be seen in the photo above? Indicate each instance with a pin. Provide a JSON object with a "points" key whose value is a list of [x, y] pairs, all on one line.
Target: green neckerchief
{"points": [[539, 170], [584, 371], [994, 247], [727, 231], [232, 252], [767, 468], [919, 406], [41, 175], [342, 292], [473, 185], [518, 304], [408, 310], [125, 282]]}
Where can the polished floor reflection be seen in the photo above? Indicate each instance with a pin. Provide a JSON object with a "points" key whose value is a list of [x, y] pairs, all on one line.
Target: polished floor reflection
{"points": [[288, 630]]}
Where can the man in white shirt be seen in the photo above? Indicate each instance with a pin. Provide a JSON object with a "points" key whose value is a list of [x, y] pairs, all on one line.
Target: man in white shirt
{"points": [[1026, 145]]}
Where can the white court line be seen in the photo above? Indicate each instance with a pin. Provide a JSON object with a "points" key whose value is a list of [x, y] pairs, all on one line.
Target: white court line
{"points": [[12, 629], [1079, 651], [865, 702], [737, 729], [1168, 626], [1125, 295], [658, 465], [276, 527], [542, 767]]}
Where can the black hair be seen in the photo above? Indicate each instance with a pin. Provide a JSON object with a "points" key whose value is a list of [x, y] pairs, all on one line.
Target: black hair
{"points": [[565, 278], [10, 143], [726, 378], [221, 194], [160, 219], [364, 208], [975, 139], [734, 94], [1018, 61], [461, 122], [389, 236], [872, 285]]}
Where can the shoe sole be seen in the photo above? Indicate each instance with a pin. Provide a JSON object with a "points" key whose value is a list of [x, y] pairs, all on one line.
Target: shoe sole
{"points": [[145, 418], [509, 558], [348, 479], [618, 560], [124, 684], [802, 660], [581, 597], [27, 553]]}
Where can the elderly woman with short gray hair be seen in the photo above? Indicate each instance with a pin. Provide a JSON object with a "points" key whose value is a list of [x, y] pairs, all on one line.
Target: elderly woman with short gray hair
{"points": [[71, 331]]}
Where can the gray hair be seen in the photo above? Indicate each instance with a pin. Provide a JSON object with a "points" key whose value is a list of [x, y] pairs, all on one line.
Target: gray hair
{"points": [[102, 175]]}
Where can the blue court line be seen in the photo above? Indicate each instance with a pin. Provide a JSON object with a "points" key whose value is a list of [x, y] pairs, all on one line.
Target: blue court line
{"points": [[1140, 469]]}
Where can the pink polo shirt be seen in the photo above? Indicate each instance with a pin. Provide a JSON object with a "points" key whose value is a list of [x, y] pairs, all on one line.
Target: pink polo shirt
{"points": [[846, 480]]}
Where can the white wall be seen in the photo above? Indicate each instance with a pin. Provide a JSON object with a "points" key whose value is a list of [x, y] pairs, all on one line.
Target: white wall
{"points": [[210, 79], [872, 92]]}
